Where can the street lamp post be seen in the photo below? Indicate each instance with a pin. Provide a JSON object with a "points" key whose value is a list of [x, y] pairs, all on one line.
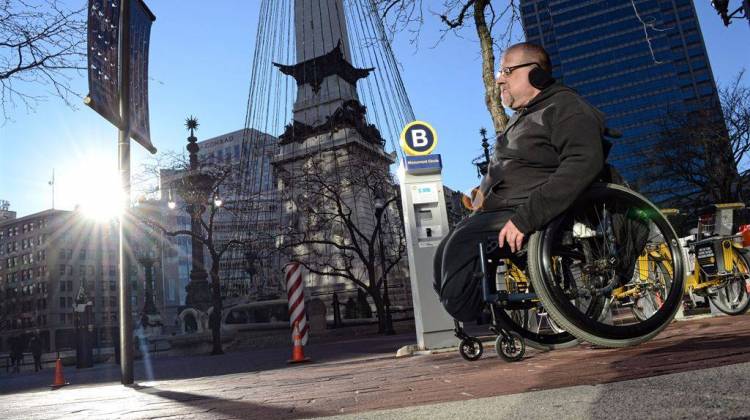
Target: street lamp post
{"points": [[379, 211], [150, 318], [194, 189]]}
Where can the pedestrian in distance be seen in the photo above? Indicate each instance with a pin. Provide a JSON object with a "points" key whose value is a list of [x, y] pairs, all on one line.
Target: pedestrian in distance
{"points": [[35, 345], [17, 348], [12, 353], [116, 346]]}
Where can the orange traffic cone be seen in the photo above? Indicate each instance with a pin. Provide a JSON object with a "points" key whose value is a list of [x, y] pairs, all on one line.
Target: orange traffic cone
{"points": [[59, 379], [298, 352]]}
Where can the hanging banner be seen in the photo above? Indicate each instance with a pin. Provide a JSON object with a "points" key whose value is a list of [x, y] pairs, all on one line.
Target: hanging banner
{"points": [[140, 33], [103, 97], [103, 29]]}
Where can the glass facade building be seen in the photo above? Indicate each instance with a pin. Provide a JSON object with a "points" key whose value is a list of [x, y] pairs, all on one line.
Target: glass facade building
{"points": [[638, 61]]}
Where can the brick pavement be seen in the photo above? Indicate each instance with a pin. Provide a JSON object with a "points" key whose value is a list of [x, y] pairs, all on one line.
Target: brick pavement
{"points": [[352, 381]]}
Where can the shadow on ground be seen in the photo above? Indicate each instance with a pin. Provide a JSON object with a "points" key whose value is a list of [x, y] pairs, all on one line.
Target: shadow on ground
{"points": [[229, 407], [184, 367]]}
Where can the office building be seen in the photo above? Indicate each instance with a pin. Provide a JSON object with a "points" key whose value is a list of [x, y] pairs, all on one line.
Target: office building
{"points": [[640, 62]]}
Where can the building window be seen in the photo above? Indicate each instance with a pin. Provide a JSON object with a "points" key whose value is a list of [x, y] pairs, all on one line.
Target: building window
{"points": [[62, 302]]}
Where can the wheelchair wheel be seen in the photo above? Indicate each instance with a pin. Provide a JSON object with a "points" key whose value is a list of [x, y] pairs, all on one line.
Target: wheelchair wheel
{"points": [[510, 348], [536, 328], [582, 256], [732, 297], [532, 321], [471, 349]]}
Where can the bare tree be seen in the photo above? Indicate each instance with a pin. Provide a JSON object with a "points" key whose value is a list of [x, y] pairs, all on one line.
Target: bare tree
{"points": [[344, 224], [494, 23], [201, 191], [704, 159], [42, 43]]}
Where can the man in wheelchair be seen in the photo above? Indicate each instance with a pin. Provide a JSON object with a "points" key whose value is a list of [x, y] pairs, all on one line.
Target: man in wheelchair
{"points": [[548, 154]]}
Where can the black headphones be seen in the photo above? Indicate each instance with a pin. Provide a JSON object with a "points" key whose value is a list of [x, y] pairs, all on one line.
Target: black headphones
{"points": [[539, 78]]}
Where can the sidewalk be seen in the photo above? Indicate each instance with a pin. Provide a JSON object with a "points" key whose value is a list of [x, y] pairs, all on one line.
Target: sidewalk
{"points": [[362, 375], [353, 350]]}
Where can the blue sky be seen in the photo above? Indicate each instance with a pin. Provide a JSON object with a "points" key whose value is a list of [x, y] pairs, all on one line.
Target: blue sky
{"points": [[200, 65]]}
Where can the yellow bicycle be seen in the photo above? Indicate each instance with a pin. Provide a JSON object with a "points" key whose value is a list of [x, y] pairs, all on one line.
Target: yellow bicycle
{"points": [[718, 267], [721, 270], [651, 281]]}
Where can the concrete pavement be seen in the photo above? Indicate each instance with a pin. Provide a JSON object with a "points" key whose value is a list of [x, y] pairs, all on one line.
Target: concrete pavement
{"points": [[719, 393], [708, 356]]}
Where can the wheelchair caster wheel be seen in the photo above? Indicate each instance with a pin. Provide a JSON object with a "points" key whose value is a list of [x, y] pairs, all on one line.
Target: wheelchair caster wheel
{"points": [[510, 347], [471, 349]]}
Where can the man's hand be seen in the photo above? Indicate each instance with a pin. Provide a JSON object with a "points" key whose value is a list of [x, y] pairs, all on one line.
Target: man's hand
{"points": [[510, 233]]}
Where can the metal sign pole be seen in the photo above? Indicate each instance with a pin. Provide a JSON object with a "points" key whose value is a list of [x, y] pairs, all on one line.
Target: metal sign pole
{"points": [[123, 153], [109, 52]]}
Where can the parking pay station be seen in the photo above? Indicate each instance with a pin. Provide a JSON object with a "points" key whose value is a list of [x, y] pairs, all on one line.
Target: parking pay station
{"points": [[426, 223]]}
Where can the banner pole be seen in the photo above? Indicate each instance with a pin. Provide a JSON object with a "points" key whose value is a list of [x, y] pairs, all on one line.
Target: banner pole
{"points": [[123, 154]]}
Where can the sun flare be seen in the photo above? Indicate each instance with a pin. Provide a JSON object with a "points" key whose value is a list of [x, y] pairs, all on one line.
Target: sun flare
{"points": [[98, 191]]}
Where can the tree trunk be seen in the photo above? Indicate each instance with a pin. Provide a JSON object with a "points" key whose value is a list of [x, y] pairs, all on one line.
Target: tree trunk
{"points": [[215, 319], [379, 308], [491, 91]]}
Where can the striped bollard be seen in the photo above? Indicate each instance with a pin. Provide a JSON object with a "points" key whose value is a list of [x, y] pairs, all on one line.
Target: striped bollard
{"points": [[295, 291]]}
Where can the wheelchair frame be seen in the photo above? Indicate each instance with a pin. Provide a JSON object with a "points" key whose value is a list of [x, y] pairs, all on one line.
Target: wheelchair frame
{"points": [[510, 345]]}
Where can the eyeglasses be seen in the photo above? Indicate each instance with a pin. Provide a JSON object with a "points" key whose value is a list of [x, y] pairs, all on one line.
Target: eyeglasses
{"points": [[506, 71]]}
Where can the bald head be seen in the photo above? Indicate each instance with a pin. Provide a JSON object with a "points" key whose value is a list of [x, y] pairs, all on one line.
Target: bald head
{"points": [[531, 53], [514, 76]]}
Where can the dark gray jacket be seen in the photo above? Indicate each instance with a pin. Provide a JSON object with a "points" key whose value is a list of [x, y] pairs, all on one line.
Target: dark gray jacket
{"points": [[549, 153]]}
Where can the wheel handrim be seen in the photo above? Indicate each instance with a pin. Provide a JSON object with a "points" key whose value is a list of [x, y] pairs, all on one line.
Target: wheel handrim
{"points": [[575, 318]]}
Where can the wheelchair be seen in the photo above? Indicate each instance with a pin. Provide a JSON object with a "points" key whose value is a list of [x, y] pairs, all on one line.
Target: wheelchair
{"points": [[575, 265]]}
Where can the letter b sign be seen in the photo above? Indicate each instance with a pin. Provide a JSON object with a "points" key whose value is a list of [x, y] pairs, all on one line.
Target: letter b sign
{"points": [[418, 138]]}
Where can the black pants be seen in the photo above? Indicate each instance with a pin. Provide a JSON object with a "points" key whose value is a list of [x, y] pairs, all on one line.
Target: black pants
{"points": [[457, 260], [37, 363]]}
